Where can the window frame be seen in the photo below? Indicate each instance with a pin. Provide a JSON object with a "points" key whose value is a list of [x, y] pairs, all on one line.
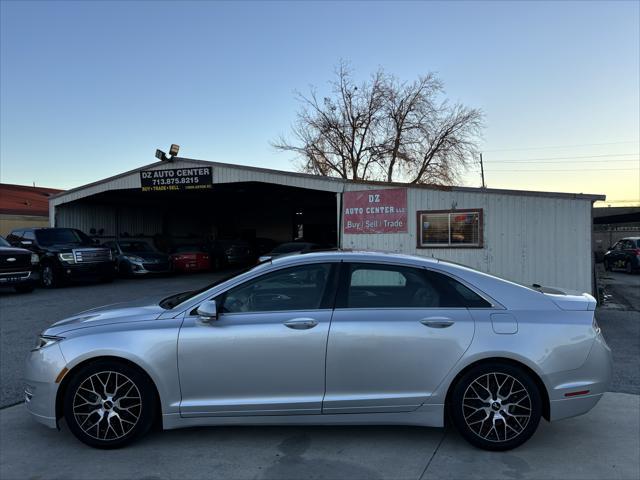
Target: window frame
{"points": [[341, 295], [421, 245], [328, 296]]}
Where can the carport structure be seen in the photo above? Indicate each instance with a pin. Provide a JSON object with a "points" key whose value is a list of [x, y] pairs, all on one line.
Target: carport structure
{"points": [[232, 202], [525, 236]]}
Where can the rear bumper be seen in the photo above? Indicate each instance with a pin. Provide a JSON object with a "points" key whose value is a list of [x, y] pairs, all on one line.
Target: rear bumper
{"points": [[593, 378]]}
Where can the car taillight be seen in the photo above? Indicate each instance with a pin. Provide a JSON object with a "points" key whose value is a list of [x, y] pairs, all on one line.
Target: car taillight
{"points": [[637, 252]]}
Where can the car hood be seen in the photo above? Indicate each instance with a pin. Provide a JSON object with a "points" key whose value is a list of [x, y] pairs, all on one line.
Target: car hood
{"points": [[141, 310], [68, 247], [14, 251], [147, 255]]}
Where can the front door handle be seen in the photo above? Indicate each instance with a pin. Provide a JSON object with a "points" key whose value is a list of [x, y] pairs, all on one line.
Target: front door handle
{"points": [[437, 322], [301, 323]]}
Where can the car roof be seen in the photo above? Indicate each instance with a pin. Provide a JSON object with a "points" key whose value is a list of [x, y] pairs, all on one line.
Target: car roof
{"points": [[354, 256]]}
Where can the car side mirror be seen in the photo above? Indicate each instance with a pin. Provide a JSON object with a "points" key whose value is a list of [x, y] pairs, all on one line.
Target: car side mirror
{"points": [[26, 242], [208, 311]]}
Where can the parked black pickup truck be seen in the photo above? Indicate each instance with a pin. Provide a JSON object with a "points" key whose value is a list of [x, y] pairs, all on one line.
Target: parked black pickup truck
{"points": [[66, 254], [18, 268]]}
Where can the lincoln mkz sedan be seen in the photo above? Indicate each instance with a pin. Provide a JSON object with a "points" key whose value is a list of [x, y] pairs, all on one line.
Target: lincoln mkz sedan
{"points": [[327, 338]]}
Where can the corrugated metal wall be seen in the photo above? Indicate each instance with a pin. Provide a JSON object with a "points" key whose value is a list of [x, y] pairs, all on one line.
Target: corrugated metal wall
{"points": [[134, 220], [542, 239], [527, 239]]}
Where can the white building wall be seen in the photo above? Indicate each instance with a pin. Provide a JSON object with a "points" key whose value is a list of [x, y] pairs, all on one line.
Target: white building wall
{"points": [[527, 239]]}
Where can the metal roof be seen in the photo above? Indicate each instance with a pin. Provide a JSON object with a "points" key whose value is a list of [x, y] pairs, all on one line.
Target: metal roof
{"points": [[338, 181]]}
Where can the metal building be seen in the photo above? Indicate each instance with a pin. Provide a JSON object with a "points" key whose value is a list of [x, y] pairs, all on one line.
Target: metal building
{"points": [[528, 237]]}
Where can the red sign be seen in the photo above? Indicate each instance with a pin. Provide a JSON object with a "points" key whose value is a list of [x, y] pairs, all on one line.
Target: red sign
{"points": [[375, 211]]}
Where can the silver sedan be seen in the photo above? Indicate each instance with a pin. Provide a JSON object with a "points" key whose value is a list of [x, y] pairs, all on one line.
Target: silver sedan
{"points": [[327, 338]]}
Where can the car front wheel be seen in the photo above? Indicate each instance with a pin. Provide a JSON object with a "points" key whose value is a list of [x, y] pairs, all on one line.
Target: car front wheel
{"points": [[49, 276], [109, 404], [496, 406]]}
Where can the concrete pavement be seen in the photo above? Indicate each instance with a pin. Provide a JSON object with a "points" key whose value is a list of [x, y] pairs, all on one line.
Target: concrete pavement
{"points": [[602, 444]]}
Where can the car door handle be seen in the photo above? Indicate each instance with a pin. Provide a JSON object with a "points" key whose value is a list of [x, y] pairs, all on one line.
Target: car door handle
{"points": [[301, 323], [437, 322]]}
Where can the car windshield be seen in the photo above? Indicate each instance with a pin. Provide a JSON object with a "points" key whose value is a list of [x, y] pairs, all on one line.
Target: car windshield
{"points": [[61, 236], [135, 247], [4, 243], [175, 300], [290, 247]]}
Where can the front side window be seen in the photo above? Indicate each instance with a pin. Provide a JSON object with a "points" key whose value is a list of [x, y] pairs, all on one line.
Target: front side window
{"points": [[454, 228], [383, 286], [296, 288]]}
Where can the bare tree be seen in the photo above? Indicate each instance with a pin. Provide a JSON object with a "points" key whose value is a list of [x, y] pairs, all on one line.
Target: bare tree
{"points": [[384, 130]]}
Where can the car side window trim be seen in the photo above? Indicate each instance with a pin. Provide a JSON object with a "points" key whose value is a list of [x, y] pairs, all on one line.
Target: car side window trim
{"points": [[327, 302], [343, 287]]}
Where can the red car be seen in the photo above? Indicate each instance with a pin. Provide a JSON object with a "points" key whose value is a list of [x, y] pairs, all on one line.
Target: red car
{"points": [[189, 258]]}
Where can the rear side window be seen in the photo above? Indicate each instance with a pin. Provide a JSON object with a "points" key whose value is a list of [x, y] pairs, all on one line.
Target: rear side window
{"points": [[386, 286]]}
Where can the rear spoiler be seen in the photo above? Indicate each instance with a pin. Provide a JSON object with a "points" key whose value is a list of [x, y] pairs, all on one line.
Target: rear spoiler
{"points": [[568, 299]]}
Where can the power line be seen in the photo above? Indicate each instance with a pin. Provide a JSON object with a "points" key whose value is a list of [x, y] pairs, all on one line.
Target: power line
{"points": [[558, 146], [574, 157], [495, 162], [572, 170]]}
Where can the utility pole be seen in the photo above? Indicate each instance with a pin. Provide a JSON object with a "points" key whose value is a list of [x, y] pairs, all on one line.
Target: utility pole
{"points": [[482, 171]]}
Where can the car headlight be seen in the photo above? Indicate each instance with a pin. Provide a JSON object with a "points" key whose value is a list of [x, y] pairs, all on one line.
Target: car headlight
{"points": [[35, 258], [67, 257], [134, 259], [45, 341]]}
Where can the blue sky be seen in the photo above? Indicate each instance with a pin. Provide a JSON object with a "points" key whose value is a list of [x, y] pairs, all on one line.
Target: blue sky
{"points": [[90, 89]]}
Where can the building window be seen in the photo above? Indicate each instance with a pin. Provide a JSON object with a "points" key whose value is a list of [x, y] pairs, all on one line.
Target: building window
{"points": [[450, 228]]}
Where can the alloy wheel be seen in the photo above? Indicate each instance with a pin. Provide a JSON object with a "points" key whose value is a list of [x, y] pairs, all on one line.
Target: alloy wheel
{"points": [[47, 276], [496, 407], [107, 405]]}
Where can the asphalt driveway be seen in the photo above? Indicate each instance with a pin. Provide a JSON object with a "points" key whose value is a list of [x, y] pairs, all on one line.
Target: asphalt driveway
{"points": [[602, 444]]}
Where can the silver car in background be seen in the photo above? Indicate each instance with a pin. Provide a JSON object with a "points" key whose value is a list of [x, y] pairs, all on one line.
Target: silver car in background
{"points": [[327, 338]]}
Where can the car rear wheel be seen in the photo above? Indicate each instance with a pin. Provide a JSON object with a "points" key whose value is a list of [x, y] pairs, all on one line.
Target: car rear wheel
{"points": [[628, 267], [496, 406], [108, 404]]}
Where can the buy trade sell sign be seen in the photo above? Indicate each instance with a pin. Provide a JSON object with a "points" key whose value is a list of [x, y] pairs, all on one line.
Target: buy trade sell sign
{"points": [[375, 211]]}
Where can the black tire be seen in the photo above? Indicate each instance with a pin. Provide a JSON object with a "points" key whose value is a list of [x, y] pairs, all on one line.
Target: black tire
{"points": [[49, 276], [24, 288], [628, 268], [107, 279], [124, 270], [607, 266], [128, 421], [474, 418]]}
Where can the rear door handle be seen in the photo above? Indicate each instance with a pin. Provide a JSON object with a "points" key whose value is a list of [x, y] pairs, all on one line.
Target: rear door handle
{"points": [[437, 322], [301, 323]]}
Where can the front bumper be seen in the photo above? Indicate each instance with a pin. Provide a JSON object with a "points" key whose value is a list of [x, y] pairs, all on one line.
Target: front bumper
{"points": [[594, 377], [87, 271], [42, 368], [150, 268], [19, 278]]}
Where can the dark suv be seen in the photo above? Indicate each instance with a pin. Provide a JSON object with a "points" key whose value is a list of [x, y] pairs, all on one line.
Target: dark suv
{"points": [[624, 254], [18, 268], [65, 254]]}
